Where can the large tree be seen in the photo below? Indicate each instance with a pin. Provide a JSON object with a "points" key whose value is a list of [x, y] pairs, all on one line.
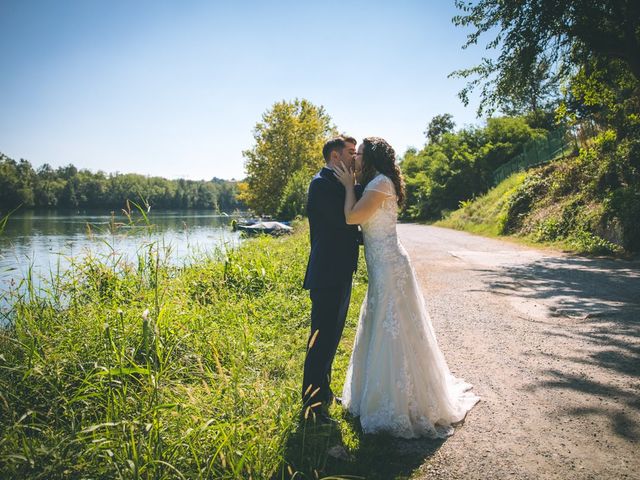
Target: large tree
{"points": [[288, 140], [587, 54], [544, 44]]}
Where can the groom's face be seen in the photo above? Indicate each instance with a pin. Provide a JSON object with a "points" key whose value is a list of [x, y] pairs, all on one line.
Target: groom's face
{"points": [[348, 155]]}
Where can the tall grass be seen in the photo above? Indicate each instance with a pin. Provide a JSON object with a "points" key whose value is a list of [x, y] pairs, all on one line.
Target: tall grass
{"points": [[141, 369], [5, 218]]}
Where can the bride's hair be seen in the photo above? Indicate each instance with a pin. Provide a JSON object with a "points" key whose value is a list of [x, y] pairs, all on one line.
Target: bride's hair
{"points": [[379, 157]]}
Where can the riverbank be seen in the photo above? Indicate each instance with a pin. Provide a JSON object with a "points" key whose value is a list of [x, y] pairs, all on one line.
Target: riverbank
{"points": [[32, 245], [159, 371]]}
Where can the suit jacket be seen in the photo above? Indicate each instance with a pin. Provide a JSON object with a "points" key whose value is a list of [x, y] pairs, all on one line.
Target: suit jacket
{"points": [[334, 244]]}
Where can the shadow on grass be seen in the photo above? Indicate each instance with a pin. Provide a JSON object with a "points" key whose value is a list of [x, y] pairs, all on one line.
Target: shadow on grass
{"points": [[344, 451]]}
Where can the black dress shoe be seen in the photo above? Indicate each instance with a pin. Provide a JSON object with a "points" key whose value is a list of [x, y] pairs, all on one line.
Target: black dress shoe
{"points": [[319, 418], [324, 419]]}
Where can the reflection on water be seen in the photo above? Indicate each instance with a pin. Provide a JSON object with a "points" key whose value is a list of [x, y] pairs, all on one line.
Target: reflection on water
{"points": [[45, 242]]}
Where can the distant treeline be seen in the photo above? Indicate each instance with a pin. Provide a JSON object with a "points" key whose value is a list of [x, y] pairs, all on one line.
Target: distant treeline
{"points": [[68, 187]]}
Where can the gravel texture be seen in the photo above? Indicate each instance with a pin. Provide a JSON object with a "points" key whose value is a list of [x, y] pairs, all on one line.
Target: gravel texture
{"points": [[551, 342]]}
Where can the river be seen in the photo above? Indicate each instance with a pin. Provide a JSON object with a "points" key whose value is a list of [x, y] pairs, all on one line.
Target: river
{"points": [[39, 244]]}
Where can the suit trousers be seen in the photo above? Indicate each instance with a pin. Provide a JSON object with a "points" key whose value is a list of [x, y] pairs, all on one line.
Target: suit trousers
{"points": [[329, 308]]}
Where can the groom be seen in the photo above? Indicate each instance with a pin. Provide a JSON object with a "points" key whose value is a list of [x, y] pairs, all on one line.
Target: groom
{"points": [[332, 262]]}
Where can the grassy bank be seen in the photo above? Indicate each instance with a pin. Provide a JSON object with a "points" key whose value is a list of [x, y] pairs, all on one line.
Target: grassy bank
{"points": [[485, 215], [582, 204], [146, 370], [150, 371]]}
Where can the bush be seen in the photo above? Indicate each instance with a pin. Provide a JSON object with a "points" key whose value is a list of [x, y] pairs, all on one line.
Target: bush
{"points": [[459, 166], [592, 201], [294, 196]]}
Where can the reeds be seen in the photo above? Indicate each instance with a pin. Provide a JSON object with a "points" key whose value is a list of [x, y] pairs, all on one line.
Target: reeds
{"points": [[127, 370]]}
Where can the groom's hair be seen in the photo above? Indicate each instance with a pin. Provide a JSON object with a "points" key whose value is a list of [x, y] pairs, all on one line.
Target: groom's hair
{"points": [[336, 143]]}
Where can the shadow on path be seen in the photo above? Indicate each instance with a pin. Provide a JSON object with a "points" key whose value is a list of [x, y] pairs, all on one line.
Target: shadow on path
{"points": [[596, 302], [582, 287]]}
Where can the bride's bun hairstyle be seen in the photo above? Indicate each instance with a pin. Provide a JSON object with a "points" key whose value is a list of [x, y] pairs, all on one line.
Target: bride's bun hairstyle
{"points": [[379, 157]]}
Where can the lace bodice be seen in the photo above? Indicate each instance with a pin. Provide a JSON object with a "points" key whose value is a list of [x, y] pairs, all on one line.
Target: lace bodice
{"points": [[379, 230], [383, 252]]}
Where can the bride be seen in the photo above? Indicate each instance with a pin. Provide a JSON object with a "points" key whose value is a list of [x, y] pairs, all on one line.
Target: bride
{"points": [[398, 380]]}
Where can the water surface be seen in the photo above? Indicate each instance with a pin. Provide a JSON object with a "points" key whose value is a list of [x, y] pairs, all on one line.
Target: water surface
{"points": [[40, 244]]}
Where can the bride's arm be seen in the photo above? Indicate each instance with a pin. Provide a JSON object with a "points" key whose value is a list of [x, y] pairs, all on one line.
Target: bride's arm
{"points": [[363, 208], [356, 212]]}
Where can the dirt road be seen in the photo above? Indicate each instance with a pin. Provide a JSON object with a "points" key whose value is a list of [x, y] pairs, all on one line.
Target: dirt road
{"points": [[551, 343]]}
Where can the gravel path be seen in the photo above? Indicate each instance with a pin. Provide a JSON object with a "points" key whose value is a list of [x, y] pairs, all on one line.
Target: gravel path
{"points": [[551, 343]]}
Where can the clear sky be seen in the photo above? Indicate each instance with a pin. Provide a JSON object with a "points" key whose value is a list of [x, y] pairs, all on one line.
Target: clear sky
{"points": [[174, 88]]}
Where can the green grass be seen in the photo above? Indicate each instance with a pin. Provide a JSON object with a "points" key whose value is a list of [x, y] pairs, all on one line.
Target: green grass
{"points": [[149, 371], [484, 215]]}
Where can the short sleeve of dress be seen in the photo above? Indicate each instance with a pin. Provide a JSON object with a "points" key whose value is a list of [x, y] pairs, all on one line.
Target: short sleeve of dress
{"points": [[383, 184]]}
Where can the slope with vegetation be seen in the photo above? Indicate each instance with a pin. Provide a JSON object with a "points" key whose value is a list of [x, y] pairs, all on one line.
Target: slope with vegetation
{"points": [[570, 64], [578, 203]]}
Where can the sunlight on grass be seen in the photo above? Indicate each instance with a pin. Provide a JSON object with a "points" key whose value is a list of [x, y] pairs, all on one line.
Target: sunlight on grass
{"points": [[148, 370], [484, 215]]}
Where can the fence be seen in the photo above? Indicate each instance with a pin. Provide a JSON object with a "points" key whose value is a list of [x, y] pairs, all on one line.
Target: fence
{"points": [[536, 152]]}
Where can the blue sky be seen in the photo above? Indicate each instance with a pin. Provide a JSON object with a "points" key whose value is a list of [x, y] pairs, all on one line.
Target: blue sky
{"points": [[174, 88]]}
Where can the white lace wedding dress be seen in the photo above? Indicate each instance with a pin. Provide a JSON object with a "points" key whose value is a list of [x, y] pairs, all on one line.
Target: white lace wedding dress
{"points": [[398, 380]]}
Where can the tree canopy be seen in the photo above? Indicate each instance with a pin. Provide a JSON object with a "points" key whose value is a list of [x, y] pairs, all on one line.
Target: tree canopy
{"points": [[456, 166], [288, 149], [579, 60], [438, 126], [544, 44]]}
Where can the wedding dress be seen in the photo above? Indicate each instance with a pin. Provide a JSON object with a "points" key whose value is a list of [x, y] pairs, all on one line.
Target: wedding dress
{"points": [[398, 380]]}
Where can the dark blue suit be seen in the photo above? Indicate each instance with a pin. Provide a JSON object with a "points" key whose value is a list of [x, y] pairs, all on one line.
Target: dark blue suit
{"points": [[332, 261]]}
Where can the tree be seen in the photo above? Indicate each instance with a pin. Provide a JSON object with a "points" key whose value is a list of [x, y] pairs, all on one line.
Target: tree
{"points": [[294, 196], [288, 140], [439, 125], [69, 187], [9, 182], [591, 49], [460, 165], [545, 43]]}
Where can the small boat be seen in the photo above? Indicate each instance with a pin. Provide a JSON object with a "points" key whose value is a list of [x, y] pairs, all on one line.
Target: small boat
{"points": [[271, 228]]}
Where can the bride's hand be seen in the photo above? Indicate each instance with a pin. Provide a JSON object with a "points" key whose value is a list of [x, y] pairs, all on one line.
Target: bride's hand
{"points": [[344, 175]]}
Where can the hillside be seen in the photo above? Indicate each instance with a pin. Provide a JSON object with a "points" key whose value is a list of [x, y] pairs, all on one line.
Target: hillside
{"points": [[577, 203]]}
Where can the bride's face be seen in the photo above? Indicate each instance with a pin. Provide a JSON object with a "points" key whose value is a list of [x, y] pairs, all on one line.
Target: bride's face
{"points": [[358, 162]]}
